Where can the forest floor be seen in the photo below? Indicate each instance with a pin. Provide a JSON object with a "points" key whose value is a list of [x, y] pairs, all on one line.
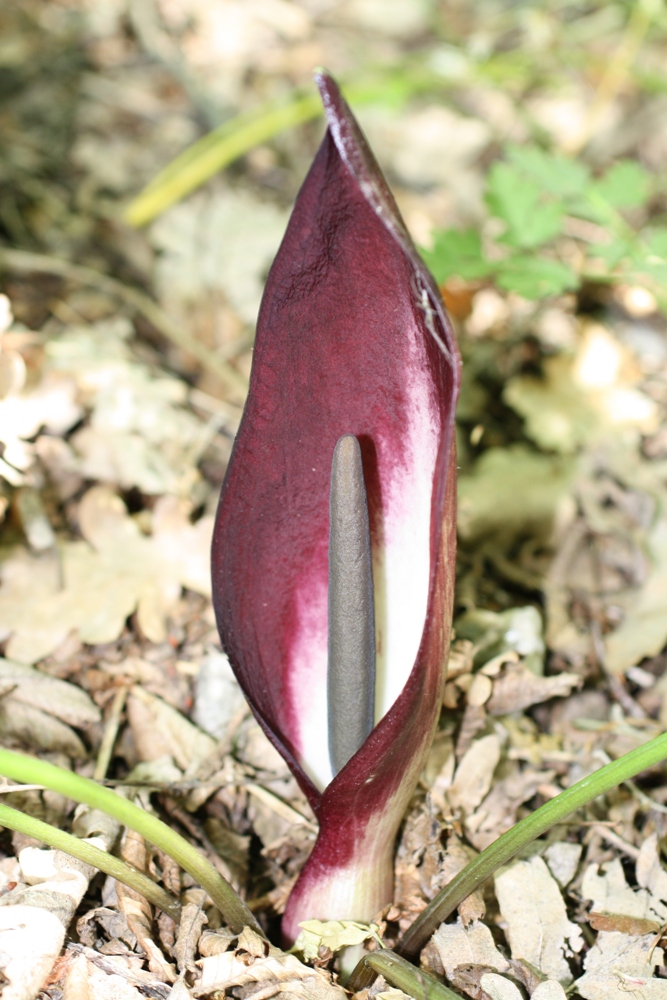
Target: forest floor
{"points": [[526, 146]]}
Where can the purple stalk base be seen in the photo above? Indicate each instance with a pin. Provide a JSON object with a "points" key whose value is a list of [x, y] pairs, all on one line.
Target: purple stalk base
{"points": [[352, 338]]}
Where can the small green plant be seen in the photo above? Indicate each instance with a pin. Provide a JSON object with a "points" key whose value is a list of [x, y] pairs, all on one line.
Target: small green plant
{"points": [[552, 225]]}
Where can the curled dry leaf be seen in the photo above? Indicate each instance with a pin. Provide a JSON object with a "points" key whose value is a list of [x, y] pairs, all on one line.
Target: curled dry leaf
{"points": [[137, 910], [457, 856], [193, 919], [33, 728], [472, 945], [497, 812], [519, 688], [278, 975], [473, 776], [333, 935], [621, 966], [67, 702], [160, 730], [92, 586], [538, 927]]}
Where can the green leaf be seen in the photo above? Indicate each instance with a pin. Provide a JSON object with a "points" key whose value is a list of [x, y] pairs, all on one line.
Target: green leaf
{"points": [[535, 277], [457, 252], [334, 935], [625, 185], [519, 202], [656, 242], [557, 175], [649, 258], [612, 253]]}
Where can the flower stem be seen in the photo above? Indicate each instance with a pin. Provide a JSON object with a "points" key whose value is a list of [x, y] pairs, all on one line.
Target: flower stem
{"points": [[404, 976], [522, 834], [31, 770], [13, 819]]}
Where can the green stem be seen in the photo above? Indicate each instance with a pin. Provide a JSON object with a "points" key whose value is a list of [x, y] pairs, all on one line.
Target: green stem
{"points": [[13, 819], [31, 770], [401, 974], [522, 834]]}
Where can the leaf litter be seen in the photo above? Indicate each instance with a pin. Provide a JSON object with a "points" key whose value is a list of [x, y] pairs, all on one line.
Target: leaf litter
{"points": [[114, 444]]}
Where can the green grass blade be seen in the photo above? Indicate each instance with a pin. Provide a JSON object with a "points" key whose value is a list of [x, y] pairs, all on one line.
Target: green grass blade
{"points": [[522, 834], [13, 819], [32, 771]]}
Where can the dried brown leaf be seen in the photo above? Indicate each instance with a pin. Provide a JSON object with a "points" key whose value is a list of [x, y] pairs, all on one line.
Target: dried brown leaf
{"points": [[519, 688]]}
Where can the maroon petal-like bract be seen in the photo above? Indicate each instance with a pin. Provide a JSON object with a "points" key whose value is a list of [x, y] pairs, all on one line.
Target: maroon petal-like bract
{"points": [[352, 338]]}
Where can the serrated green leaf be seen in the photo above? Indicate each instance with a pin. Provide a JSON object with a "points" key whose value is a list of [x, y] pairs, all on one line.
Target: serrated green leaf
{"points": [[557, 175], [625, 185], [519, 202], [457, 252], [535, 277]]}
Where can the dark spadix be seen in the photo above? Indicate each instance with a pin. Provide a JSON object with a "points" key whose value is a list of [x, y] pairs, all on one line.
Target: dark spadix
{"points": [[355, 369]]}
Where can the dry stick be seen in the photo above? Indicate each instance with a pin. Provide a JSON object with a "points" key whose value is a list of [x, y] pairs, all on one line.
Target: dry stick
{"points": [[509, 844], [21, 767], [24, 261], [110, 734], [13, 819]]}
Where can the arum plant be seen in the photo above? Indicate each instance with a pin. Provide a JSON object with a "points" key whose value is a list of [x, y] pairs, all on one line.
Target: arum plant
{"points": [[334, 546]]}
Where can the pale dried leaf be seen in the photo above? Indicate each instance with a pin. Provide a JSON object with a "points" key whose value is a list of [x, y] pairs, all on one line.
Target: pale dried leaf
{"points": [[34, 916], [250, 942], [30, 941], [472, 945], [334, 935], [68, 702], [497, 812], [620, 966], [93, 588], [285, 973], [519, 688], [159, 729], [457, 855], [31, 727], [650, 873], [84, 981], [192, 921], [216, 942], [140, 432], [563, 860], [499, 988], [610, 893], [538, 928], [138, 911], [474, 774], [549, 990]]}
